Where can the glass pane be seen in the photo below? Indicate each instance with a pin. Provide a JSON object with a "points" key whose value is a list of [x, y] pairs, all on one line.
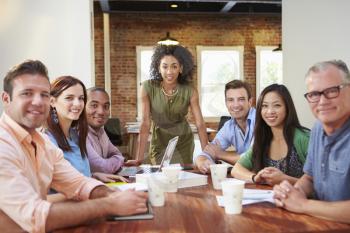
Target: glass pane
{"points": [[217, 68], [146, 56], [270, 68]]}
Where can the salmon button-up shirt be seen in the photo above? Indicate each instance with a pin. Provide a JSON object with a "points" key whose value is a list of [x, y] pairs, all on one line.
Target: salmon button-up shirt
{"points": [[29, 166]]}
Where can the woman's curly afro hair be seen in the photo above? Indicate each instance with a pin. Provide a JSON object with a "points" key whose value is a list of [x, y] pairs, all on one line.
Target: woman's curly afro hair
{"points": [[182, 54]]}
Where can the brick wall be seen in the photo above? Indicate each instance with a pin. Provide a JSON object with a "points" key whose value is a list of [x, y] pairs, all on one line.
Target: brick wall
{"points": [[130, 30], [99, 53]]}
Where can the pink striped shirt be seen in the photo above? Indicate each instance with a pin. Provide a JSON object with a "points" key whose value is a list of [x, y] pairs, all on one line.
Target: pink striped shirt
{"points": [[103, 155]]}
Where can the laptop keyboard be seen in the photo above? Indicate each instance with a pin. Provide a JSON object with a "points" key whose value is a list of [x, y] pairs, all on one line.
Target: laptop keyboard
{"points": [[132, 171], [129, 171], [147, 170]]}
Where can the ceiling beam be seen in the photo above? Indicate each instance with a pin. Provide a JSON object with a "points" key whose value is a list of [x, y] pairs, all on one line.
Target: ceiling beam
{"points": [[105, 5], [278, 2], [228, 6]]}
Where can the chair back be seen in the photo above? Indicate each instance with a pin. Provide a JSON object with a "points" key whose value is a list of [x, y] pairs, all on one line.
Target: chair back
{"points": [[113, 130], [223, 119]]}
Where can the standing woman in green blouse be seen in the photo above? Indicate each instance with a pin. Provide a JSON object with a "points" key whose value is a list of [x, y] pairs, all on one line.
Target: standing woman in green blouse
{"points": [[280, 142], [166, 98]]}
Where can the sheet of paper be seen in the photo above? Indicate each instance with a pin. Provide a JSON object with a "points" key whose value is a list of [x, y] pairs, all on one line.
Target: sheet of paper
{"points": [[220, 200], [251, 196], [136, 186], [257, 194]]}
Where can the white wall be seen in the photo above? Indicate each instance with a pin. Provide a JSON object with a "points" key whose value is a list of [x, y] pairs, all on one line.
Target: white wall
{"points": [[312, 31], [57, 32]]}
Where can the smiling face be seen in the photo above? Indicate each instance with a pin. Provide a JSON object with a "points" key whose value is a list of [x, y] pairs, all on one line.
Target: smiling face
{"points": [[237, 103], [331, 112], [30, 101], [69, 104], [170, 69], [273, 110], [97, 109]]}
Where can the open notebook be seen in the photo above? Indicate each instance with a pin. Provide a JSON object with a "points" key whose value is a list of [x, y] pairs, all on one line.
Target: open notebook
{"points": [[148, 215], [168, 155]]}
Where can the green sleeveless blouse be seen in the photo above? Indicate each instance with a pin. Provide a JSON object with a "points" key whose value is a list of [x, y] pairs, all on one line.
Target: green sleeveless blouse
{"points": [[168, 116]]}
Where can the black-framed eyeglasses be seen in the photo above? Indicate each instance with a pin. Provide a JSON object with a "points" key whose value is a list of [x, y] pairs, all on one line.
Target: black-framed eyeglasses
{"points": [[329, 93]]}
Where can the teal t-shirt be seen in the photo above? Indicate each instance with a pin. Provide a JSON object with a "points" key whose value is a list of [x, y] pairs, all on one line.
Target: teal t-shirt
{"points": [[300, 142]]}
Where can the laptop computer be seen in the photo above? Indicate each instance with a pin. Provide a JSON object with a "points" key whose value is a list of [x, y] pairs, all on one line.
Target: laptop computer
{"points": [[168, 155]]}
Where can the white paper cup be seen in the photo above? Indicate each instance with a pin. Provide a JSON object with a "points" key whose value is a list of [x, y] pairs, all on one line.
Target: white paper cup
{"points": [[232, 190], [156, 186], [218, 174], [172, 173]]}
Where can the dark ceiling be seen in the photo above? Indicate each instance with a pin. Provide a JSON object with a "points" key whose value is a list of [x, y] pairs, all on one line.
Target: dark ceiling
{"points": [[195, 6]]}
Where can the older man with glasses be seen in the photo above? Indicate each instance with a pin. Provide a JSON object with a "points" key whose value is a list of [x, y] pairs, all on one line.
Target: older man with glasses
{"points": [[329, 93], [327, 168]]}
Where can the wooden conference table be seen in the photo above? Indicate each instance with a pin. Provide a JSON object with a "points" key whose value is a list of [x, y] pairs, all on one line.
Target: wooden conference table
{"points": [[196, 210]]}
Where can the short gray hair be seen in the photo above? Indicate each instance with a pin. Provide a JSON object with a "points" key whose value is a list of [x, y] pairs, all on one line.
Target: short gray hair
{"points": [[339, 64]]}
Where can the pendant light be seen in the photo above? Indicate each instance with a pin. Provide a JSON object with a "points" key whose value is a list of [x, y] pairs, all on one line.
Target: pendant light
{"points": [[168, 40]]}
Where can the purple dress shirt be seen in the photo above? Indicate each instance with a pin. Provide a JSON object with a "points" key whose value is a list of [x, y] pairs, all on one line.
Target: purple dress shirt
{"points": [[103, 155]]}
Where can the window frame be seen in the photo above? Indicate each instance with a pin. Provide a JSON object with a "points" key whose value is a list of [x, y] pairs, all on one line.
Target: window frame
{"points": [[139, 50], [258, 50], [200, 49]]}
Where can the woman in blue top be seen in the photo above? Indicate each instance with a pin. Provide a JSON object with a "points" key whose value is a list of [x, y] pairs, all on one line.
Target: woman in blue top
{"points": [[67, 125], [280, 142]]}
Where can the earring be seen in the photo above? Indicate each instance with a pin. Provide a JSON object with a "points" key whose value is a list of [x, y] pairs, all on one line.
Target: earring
{"points": [[54, 116]]}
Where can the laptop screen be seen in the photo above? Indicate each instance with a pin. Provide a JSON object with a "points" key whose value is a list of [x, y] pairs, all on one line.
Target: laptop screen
{"points": [[169, 151], [168, 155]]}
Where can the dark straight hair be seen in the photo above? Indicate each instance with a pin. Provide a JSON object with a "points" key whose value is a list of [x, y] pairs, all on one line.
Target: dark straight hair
{"points": [[262, 132], [57, 87]]}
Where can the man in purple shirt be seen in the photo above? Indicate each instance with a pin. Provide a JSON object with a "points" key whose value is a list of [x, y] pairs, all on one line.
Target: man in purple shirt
{"points": [[103, 155]]}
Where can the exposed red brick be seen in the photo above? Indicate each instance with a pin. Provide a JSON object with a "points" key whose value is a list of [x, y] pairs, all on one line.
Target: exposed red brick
{"points": [[130, 30]]}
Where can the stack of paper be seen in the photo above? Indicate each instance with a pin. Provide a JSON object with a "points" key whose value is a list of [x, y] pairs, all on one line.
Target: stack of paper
{"points": [[189, 179], [186, 179], [132, 127]]}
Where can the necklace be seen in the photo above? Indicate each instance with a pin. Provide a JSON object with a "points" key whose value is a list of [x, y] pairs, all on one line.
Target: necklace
{"points": [[174, 92]]}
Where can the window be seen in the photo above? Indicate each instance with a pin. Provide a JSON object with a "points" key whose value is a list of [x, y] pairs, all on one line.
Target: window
{"points": [[144, 55], [216, 67], [268, 67]]}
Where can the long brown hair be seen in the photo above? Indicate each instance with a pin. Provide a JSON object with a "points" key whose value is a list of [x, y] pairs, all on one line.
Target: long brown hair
{"points": [[58, 86]]}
